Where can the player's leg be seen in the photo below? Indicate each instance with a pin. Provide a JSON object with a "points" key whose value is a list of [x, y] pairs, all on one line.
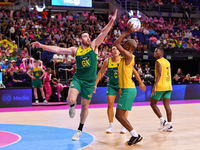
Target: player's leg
{"points": [[154, 100], [48, 92], [125, 104], [72, 96], [166, 103], [42, 93], [123, 129], [110, 112], [84, 113], [36, 96]]}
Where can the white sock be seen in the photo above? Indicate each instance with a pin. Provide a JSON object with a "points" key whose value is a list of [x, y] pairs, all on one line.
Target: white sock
{"points": [[111, 125], [162, 119], [134, 133], [169, 123]]}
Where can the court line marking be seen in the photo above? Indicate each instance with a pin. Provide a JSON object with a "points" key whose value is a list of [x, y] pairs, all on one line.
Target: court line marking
{"points": [[94, 139], [13, 142]]}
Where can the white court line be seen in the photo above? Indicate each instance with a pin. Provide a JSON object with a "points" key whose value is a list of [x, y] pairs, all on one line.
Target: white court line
{"points": [[94, 139], [19, 138]]}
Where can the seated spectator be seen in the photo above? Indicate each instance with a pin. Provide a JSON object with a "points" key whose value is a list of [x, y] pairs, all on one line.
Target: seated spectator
{"points": [[41, 65], [23, 66], [12, 80], [5, 65], [24, 53], [11, 57], [16, 53], [92, 17], [196, 46], [187, 79], [188, 34], [58, 58], [147, 70], [176, 80], [117, 31], [196, 79], [22, 37], [184, 46], [69, 17], [153, 40], [13, 62]]}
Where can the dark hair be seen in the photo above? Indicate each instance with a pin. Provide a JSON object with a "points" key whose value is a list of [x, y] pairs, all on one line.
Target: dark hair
{"points": [[80, 34]]}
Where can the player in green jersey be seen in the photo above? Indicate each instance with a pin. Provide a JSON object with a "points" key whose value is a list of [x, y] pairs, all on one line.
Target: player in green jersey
{"points": [[85, 75], [112, 86], [37, 80]]}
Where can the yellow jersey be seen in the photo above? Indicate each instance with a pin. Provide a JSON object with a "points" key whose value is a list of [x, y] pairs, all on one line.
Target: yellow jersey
{"points": [[125, 73], [165, 83]]}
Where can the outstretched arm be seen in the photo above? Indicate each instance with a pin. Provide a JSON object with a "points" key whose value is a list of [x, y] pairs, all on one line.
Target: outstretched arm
{"points": [[55, 49], [158, 70], [137, 76], [100, 74], [124, 52], [96, 42]]}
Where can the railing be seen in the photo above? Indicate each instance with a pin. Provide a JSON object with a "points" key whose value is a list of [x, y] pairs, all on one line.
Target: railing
{"points": [[116, 3]]}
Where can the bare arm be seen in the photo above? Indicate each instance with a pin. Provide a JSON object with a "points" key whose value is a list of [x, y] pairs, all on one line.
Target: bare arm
{"points": [[29, 74], [158, 66], [137, 76], [100, 74], [55, 49], [44, 80], [102, 35], [43, 73]]}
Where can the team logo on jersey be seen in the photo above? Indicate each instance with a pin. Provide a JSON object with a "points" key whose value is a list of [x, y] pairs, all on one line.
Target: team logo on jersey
{"points": [[90, 95], [85, 61]]}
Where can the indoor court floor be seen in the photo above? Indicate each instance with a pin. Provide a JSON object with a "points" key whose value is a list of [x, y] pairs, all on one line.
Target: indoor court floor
{"points": [[51, 128]]}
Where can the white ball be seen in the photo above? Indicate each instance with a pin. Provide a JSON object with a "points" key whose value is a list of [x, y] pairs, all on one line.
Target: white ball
{"points": [[136, 23]]}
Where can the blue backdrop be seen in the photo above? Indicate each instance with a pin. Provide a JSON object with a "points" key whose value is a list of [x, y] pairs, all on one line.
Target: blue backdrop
{"points": [[180, 92]]}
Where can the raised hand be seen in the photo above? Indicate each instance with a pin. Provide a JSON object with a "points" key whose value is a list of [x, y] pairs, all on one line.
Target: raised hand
{"points": [[130, 29], [115, 15], [36, 44]]}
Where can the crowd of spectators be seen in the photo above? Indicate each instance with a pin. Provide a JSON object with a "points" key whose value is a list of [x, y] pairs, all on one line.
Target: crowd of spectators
{"points": [[20, 28]]}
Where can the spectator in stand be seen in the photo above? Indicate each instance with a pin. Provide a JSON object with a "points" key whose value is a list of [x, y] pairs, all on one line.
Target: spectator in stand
{"points": [[187, 79], [44, 14], [58, 58], [22, 13], [24, 65], [24, 53], [69, 17], [12, 57], [41, 65], [117, 32], [178, 46], [196, 46], [176, 80], [104, 17], [197, 78], [153, 40], [3, 56], [34, 13], [110, 16], [92, 17], [10, 68], [27, 12], [188, 34], [85, 15], [16, 69], [184, 46], [12, 80], [22, 37], [15, 53], [1, 62], [5, 65], [59, 16], [180, 74]]}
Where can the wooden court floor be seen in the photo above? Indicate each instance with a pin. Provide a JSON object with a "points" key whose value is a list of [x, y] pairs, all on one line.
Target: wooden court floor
{"points": [[186, 123]]}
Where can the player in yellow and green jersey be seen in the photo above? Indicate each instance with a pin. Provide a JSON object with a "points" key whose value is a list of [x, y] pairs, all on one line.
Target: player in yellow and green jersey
{"points": [[126, 84], [37, 75], [162, 89], [85, 75], [111, 64]]}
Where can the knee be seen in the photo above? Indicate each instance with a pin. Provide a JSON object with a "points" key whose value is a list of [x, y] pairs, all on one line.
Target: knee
{"points": [[70, 100], [110, 105], [84, 107], [118, 116], [152, 105]]}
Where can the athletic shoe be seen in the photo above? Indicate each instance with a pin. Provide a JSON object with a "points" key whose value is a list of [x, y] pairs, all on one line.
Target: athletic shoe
{"points": [[45, 102], [123, 130], [134, 140], [36, 102], [162, 125], [168, 128], [77, 135], [110, 129], [72, 111]]}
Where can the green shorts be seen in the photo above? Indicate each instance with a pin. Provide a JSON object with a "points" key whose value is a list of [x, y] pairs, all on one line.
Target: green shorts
{"points": [[85, 87], [111, 90], [126, 98], [163, 94], [37, 83]]}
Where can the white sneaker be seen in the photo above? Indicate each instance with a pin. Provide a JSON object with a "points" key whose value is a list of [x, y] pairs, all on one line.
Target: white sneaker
{"points": [[77, 135], [123, 130], [45, 102], [60, 95], [168, 128], [72, 111], [162, 125], [110, 129], [36, 102]]}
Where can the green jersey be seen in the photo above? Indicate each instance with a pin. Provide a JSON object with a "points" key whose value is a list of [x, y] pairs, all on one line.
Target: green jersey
{"points": [[86, 63], [36, 73], [112, 73]]}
